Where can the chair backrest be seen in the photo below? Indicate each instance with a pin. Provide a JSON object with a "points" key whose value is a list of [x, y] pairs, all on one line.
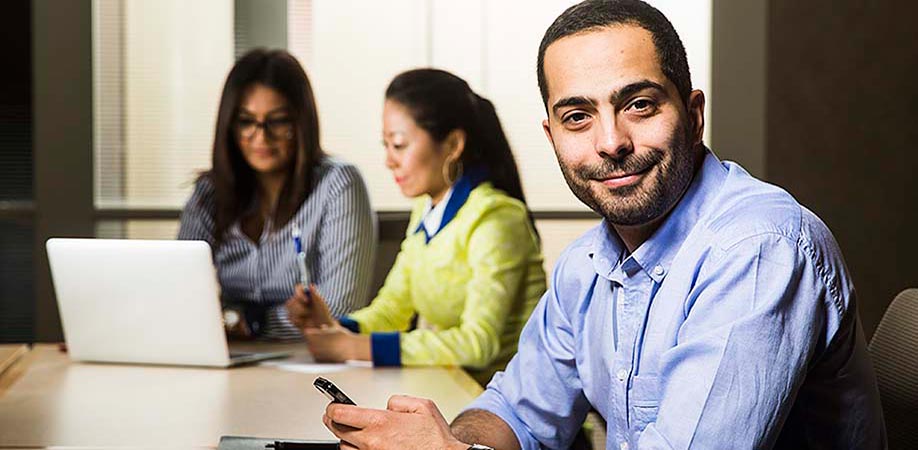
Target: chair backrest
{"points": [[894, 350]]}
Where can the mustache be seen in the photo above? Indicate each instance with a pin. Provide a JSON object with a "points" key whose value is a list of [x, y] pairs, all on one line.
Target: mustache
{"points": [[627, 165]]}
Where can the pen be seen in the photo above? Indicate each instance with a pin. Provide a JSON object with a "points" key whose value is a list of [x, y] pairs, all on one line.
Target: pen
{"points": [[301, 259]]}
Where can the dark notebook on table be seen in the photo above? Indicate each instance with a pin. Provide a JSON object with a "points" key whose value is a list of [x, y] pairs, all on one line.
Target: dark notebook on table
{"points": [[254, 443]]}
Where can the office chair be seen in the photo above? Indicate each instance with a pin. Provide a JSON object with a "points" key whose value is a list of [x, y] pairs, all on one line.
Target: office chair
{"points": [[894, 350]]}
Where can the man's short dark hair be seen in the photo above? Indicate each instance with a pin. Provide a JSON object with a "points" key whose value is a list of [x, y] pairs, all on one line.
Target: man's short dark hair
{"points": [[593, 14]]}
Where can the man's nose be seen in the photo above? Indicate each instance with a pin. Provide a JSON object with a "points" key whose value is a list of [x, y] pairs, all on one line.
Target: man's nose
{"points": [[613, 139]]}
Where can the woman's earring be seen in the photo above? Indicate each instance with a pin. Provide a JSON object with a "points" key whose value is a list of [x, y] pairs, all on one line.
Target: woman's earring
{"points": [[448, 174]]}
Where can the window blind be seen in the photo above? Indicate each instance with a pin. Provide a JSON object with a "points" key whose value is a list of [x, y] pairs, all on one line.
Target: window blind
{"points": [[159, 69]]}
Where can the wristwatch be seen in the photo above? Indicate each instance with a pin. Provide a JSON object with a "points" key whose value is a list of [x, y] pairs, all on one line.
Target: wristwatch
{"points": [[230, 318], [480, 447]]}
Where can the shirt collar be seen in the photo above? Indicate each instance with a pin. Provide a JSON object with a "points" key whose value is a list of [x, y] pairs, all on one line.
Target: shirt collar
{"points": [[433, 215], [453, 200], [656, 254], [607, 251]]}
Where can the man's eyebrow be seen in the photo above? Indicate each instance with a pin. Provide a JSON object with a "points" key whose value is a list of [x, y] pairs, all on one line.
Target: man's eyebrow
{"points": [[633, 88], [576, 100], [617, 97]]}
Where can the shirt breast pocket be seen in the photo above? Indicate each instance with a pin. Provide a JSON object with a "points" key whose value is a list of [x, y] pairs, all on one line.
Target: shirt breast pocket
{"points": [[645, 401]]}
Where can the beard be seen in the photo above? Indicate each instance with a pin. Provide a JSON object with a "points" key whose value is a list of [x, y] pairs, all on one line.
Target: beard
{"points": [[648, 199]]}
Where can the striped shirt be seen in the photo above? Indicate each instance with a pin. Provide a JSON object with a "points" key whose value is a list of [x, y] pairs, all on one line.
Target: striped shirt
{"points": [[339, 238]]}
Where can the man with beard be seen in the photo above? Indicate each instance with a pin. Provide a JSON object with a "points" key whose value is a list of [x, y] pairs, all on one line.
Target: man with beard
{"points": [[708, 310]]}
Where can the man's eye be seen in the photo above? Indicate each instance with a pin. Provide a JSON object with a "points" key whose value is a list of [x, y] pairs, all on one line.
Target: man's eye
{"points": [[245, 122], [642, 105], [576, 117]]}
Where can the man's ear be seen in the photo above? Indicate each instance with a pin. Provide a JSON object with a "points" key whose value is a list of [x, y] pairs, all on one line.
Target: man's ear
{"points": [[547, 129], [454, 144], [695, 110]]}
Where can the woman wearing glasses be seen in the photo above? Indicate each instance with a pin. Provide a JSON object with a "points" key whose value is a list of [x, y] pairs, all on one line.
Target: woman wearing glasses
{"points": [[470, 266], [270, 179]]}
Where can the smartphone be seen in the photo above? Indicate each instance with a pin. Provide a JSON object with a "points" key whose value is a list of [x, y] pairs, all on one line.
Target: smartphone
{"points": [[332, 392]]}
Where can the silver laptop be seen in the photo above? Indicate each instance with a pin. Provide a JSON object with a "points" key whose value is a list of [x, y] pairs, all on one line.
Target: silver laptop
{"points": [[136, 301]]}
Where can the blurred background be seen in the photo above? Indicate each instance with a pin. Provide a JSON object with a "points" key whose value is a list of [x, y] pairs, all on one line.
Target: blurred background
{"points": [[108, 108]]}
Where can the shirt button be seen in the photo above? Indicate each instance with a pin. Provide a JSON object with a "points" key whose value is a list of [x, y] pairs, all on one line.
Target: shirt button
{"points": [[623, 445], [658, 270], [622, 374]]}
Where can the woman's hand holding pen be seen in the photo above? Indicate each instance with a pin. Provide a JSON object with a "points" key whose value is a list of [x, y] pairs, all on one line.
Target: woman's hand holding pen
{"points": [[308, 311], [327, 340]]}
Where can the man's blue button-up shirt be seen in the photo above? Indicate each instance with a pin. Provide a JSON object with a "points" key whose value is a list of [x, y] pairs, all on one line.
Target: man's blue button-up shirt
{"points": [[733, 326]]}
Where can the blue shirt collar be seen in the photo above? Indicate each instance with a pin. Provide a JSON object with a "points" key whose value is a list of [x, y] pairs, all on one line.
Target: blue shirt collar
{"points": [[607, 251], [460, 193], [656, 254]]}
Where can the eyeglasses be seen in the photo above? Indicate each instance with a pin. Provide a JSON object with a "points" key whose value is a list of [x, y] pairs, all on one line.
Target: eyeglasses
{"points": [[273, 128]]}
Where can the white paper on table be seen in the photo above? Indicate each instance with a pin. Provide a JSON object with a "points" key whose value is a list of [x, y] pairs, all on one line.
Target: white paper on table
{"points": [[313, 368]]}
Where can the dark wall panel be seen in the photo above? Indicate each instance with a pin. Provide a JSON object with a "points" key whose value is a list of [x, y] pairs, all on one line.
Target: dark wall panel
{"points": [[17, 307], [16, 102], [17, 296], [62, 136], [842, 129]]}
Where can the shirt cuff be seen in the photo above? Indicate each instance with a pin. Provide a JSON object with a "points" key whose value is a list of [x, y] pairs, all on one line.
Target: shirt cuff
{"points": [[386, 349], [350, 324], [493, 401]]}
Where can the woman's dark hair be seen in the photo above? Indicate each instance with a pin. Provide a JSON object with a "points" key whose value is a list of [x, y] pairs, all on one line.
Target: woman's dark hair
{"points": [[234, 180], [440, 102]]}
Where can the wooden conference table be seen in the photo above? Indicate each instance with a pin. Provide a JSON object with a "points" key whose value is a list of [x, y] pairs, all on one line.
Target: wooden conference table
{"points": [[48, 401]]}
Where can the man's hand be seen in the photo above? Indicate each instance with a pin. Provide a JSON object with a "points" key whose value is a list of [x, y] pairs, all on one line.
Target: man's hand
{"points": [[407, 422], [308, 311]]}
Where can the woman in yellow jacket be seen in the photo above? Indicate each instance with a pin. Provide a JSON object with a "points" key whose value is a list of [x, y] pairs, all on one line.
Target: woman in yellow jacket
{"points": [[470, 266]]}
